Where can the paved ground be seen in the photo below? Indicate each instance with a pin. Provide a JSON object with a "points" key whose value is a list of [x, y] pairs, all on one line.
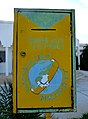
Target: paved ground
{"points": [[82, 98], [4, 78]]}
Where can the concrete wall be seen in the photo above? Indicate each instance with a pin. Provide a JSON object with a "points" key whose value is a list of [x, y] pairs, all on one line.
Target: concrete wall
{"points": [[6, 33], [10, 60], [3, 64], [6, 41]]}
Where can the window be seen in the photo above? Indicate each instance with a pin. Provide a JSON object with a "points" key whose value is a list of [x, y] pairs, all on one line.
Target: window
{"points": [[2, 56]]}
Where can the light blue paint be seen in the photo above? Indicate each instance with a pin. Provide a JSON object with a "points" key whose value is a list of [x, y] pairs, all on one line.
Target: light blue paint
{"points": [[54, 83], [39, 69], [55, 95], [36, 69], [39, 43]]}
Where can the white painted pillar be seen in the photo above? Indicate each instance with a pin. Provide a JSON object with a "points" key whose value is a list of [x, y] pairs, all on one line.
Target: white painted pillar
{"points": [[78, 54], [78, 59], [7, 72]]}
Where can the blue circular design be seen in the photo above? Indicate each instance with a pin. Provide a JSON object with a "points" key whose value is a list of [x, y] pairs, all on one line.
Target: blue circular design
{"points": [[41, 68]]}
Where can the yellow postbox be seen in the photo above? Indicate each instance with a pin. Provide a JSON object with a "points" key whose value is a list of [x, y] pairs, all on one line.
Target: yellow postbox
{"points": [[44, 61]]}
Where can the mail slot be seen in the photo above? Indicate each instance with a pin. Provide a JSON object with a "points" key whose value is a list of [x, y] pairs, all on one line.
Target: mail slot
{"points": [[44, 61]]}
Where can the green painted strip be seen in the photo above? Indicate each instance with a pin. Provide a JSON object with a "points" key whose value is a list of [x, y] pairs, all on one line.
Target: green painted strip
{"points": [[43, 10], [44, 19], [74, 60], [44, 110]]}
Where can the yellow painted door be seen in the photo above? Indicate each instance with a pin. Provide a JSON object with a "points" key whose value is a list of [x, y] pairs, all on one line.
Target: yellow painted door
{"points": [[43, 60]]}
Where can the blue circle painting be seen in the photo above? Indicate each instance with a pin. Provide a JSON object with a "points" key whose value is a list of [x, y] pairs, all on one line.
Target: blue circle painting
{"points": [[39, 73]]}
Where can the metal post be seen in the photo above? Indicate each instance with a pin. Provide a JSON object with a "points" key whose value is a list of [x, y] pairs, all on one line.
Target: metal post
{"points": [[78, 53], [48, 115], [78, 59]]}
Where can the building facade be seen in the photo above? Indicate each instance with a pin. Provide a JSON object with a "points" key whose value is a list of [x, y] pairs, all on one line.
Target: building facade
{"points": [[6, 41]]}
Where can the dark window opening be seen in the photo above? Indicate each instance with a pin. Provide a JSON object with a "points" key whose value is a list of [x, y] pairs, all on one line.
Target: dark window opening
{"points": [[2, 56]]}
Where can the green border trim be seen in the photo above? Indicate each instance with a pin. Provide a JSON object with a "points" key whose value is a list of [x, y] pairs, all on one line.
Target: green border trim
{"points": [[44, 10], [74, 59], [44, 110]]}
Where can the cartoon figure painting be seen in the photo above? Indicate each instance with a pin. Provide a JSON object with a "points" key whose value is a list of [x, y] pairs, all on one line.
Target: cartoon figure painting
{"points": [[44, 81], [45, 77]]}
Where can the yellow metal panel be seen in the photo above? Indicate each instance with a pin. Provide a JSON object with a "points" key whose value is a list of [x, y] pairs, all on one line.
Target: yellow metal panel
{"points": [[62, 54], [14, 62], [33, 46]]}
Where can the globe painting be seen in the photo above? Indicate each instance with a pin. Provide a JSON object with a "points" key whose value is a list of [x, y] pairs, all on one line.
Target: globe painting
{"points": [[42, 80]]}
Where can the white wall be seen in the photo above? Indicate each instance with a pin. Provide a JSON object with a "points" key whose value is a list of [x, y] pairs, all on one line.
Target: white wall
{"points": [[2, 65], [6, 33], [6, 39], [10, 60]]}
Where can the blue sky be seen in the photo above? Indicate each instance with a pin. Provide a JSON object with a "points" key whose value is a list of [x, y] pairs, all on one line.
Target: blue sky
{"points": [[80, 6]]}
